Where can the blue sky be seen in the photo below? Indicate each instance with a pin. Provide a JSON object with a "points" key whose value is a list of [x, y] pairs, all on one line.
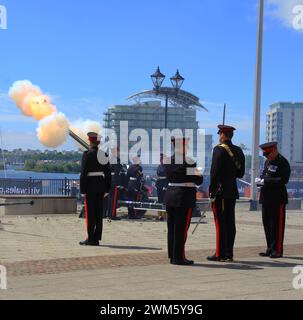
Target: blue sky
{"points": [[92, 54]]}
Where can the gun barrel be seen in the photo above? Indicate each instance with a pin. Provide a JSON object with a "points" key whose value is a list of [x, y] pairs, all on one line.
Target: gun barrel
{"points": [[16, 203], [78, 139], [142, 205]]}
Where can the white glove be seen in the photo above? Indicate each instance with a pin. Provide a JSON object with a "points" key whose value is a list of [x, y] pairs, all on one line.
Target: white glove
{"points": [[259, 182]]}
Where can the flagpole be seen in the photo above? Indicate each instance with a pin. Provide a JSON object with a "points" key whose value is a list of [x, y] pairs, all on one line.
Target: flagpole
{"points": [[257, 107]]}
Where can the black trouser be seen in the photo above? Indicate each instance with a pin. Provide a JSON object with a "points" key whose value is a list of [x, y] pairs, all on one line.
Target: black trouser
{"points": [[178, 222], [132, 196], [224, 213], [94, 216], [161, 187], [273, 216], [161, 194]]}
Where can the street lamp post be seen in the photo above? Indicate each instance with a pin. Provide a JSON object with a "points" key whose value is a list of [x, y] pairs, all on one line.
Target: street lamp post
{"points": [[257, 107], [176, 81]]}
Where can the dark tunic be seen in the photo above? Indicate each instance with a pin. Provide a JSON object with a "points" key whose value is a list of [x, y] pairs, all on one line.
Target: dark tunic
{"points": [[276, 175], [224, 172]]}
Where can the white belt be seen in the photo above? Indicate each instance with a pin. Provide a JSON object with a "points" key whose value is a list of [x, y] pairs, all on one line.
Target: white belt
{"points": [[183, 184], [133, 179], [95, 174], [162, 178], [113, 173]]}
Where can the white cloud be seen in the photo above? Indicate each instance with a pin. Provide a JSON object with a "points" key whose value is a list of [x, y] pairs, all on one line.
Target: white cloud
{"points": [[284, 10]]}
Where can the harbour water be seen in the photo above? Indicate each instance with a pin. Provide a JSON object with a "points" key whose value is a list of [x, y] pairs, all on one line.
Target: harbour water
{"points": [[14, 174]]}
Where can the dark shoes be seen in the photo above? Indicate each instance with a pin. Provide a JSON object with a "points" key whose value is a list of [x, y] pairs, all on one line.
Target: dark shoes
{"points": [[271, 254], [265, 254], [182, 262], [214, 258], [89, 243], [227, 259], [275, 255]]}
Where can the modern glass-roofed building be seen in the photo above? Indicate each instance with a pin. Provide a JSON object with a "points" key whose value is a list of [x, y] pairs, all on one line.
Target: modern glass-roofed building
{"points": [[150, 115]]}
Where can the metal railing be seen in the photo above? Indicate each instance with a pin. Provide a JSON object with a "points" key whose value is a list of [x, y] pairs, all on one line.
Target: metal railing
{"points": [[55, 187]]}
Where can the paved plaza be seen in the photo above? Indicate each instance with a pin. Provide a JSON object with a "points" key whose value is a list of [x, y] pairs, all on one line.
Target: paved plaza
{"points": [[44, 261]]}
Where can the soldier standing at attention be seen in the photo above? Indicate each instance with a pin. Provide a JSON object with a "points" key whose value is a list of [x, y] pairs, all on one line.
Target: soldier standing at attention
{"points": [[116, 169], [228, 164], [273, 198], [161, 184], [180, 199], [134, 175], [95, 181]]}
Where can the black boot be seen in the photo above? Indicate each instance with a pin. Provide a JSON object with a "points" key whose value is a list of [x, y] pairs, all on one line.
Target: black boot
{"points": [[265, 254], [276, 255], [214, 258], [182, 262], [89, 243]]}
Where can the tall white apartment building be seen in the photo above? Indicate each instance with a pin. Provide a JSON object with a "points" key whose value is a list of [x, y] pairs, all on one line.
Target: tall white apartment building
{"points": [[284, 124]]}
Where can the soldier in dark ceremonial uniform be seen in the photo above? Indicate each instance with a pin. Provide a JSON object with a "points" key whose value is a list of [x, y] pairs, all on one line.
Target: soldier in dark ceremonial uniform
{"points": [[228, 164], [134, 175], [273, 198], [161, 183], [180, 199], [116, 189], [95, 181]]}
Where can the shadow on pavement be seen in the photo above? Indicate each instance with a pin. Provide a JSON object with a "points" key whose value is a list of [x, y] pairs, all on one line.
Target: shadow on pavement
{"points": [[25, 234], [293, 258], [234, 266], [130, 247], [251, 265], [269, 264]]}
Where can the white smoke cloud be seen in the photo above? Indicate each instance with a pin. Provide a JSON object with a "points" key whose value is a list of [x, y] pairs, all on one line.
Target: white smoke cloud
{"points": [[30, 100], [82, 128], [53, 130], [284, 10], [54, 126]]}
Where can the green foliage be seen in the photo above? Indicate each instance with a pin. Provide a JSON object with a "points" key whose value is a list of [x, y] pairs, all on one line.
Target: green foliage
{"points": [[46, 161], [54, 167]]}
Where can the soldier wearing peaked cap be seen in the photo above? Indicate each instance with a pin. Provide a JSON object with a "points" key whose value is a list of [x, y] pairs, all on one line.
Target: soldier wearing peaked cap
{"points": [[228, 164], [117, 189], [95, 181], [180, 199], [273, 198], [134, 175], [161, 183]]}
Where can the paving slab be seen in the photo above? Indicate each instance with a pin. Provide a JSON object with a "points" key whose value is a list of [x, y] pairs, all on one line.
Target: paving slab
{"points": [[44, 261]]}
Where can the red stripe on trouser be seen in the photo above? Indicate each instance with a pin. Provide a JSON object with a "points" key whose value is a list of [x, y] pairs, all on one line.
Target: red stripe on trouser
{"points": [[217, 230], [188, 219], [86, 214], [114, 208], [280, 239]]}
